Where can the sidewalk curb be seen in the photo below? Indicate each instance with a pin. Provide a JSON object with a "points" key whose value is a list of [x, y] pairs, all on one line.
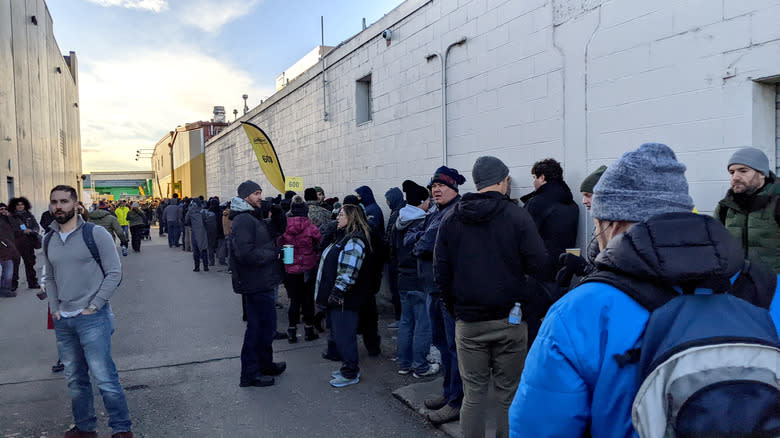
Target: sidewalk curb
{"points": [[415, 394]]}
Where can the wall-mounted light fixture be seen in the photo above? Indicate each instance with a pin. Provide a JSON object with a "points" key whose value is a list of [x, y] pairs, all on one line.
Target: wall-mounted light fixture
{"points": [[34, 20], [58, 70], [76, 104]]}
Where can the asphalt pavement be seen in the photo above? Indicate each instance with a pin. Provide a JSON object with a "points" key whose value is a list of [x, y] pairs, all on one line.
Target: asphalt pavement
{"points": [[177, 343]]}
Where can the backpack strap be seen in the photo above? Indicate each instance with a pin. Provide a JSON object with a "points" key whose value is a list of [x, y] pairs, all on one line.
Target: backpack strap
{"points": [[46, 239], [89, 240]]}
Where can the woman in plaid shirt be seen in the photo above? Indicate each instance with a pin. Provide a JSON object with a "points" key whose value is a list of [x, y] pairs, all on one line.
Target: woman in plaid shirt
{"points": [[342, 286]]}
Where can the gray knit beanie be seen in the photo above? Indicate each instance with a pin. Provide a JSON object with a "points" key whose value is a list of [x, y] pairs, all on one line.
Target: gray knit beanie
{"points": [[247, 187], [487, 171], [641, 184], [751, 157]]}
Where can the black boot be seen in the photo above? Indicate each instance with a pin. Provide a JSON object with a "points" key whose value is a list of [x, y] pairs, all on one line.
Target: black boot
{"points": [[197, 268], [310, 333], [319, 318], [206, 266], [292, 336]]}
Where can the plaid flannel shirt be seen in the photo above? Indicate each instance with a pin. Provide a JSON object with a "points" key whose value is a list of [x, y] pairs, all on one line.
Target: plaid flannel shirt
{"points": [[350, 261]]}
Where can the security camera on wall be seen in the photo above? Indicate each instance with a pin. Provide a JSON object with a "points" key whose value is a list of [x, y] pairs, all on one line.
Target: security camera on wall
{"points": [[387, 34]]}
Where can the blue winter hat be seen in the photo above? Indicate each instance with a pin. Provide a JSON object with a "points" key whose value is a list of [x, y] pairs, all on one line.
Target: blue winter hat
{"points": [[641, 184], [447, 176]]}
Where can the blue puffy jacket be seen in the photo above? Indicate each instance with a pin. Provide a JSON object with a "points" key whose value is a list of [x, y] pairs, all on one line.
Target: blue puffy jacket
{"points": [[571, 382]]}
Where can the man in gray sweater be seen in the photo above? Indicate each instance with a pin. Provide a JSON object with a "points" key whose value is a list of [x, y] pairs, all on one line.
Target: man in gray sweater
{"points": [[79, 290]]}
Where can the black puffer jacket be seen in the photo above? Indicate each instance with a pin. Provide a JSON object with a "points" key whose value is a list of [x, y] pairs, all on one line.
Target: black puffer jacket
{"points": [[254, 256], [484, 250], [556, 215]]}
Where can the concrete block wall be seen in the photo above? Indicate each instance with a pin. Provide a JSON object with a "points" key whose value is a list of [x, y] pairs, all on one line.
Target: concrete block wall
{"points": [[581, 81], [40, 143]]}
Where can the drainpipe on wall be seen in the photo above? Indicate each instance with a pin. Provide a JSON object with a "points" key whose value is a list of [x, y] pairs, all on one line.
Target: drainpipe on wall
{"points": [[173, 179], [444, 94]]}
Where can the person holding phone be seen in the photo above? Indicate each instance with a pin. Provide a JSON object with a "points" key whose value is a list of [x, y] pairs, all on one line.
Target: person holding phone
{"points": [[27, 240]]}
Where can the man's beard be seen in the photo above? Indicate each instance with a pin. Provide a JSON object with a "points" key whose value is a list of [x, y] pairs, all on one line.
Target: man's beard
{"points": [[66, 217]]}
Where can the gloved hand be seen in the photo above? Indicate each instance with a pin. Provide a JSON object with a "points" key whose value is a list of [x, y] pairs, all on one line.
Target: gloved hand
{"points": [[571, 265], [336, 297]]}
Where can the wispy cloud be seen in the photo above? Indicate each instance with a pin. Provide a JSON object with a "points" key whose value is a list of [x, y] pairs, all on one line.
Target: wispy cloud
{"points": [[128, 104], [148, 5], [211, 15]]}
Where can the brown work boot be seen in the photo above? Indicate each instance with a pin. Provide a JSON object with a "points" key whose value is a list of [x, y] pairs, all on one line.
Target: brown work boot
{"points": [[75, 432], [127, 434], [444, 415], [435, 403]]}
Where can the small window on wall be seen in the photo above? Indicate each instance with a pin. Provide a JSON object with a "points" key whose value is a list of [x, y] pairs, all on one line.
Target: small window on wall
{"points": [[10, 183], [363, 100]]}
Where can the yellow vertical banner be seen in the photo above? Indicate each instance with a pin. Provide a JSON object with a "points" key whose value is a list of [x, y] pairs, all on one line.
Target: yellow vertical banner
{"points": [[293, 183], [266, 155]]}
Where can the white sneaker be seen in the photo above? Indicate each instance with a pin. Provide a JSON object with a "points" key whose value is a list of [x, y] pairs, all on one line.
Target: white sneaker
{"points": [[404, 372], [432, 369]]}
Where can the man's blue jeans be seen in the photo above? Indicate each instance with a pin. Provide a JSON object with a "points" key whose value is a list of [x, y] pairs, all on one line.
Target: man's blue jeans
{"points": [[7, 267], [443, 335], [84, 345], [126, 230], [174, 231], [414, 332]]}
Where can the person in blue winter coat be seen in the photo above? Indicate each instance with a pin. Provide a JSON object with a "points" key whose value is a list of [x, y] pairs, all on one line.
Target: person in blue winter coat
{"points": [[573, 385]]}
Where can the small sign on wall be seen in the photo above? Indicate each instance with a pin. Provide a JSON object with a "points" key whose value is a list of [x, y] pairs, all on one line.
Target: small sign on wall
{"points": [[293, 183]]}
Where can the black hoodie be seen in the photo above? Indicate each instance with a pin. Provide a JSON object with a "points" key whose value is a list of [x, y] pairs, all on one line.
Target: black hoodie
{"points": [[486, 246]]}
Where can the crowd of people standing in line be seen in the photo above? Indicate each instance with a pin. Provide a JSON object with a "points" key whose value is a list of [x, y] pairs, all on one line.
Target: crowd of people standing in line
{"points": [[484, 280]]}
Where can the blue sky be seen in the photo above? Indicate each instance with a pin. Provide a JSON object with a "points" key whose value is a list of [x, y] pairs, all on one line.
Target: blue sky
{"points": [[146, 66]]}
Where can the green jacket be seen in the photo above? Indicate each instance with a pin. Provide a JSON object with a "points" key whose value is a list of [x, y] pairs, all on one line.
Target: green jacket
{"points": [[135, 217], [109, 222], [756, 227]]}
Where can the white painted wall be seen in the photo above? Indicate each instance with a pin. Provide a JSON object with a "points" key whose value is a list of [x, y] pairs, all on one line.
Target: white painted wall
{"points": [[581, 81], [40, 143]]}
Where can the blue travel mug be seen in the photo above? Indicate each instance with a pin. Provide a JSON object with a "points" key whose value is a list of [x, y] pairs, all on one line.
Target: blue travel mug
{"points": [[288, 254]]}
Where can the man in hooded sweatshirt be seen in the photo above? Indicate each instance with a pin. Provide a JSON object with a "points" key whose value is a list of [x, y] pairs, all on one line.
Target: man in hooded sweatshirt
{"points": [[257, 271], [368, 316], [485, 249], [414, 331], [395, 200]]}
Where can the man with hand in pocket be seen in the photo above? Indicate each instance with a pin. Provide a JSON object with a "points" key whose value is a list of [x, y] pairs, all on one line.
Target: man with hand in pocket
{"points": [[80, 283]]}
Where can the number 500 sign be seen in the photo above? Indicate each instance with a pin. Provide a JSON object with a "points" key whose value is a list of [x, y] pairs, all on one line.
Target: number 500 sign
{"points": [[294, 183]]}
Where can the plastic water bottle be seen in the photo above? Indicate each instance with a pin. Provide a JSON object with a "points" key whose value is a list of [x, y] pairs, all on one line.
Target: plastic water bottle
{"points": [[516, 315]]}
